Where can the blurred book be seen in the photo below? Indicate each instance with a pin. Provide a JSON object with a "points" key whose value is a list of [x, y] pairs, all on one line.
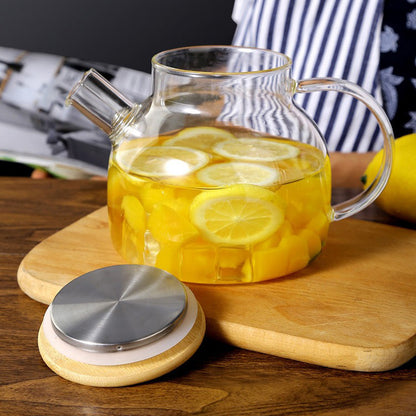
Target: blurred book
{"points": [[38, 129]]}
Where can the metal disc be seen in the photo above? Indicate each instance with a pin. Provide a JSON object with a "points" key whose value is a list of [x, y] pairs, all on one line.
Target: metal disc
{"points": [[118, 308]]}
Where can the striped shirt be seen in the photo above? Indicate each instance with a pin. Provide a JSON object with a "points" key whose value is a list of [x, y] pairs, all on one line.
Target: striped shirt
{"points": [[324, 38]]}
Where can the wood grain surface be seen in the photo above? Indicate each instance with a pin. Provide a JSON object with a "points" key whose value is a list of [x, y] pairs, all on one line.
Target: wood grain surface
{"points": [[219, 379], [352, 308], [123, 374]]}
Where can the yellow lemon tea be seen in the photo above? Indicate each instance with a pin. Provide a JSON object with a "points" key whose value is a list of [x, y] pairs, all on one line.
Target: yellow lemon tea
{"points": [[218, 205]]}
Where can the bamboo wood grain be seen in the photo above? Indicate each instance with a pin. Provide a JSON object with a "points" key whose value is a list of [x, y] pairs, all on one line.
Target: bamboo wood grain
{"points": [[351, 309], [124, 374], [219, 379]]}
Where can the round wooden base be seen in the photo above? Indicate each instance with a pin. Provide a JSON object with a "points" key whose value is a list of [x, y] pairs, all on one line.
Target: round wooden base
{"points": [[124, 374]]}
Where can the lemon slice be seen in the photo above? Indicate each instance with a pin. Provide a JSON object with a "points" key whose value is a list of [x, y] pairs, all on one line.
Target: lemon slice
{"points": [[201, 138], [238, 215], [253, 149], [222, 174], [162, 161]]}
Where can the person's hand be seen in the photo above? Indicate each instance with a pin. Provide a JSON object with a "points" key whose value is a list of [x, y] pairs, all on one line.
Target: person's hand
{"points": [[39, 174], [43, 174], [348, 168]]}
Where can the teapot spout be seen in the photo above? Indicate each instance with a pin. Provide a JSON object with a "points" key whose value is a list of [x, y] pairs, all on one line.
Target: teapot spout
{"points": [[98, 100]]}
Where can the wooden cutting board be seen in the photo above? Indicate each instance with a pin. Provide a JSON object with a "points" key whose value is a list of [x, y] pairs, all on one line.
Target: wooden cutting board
{"points": [[353, 308]]}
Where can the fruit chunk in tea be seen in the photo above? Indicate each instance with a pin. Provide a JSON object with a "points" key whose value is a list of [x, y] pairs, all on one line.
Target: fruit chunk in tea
{"points": [[215, 205]]}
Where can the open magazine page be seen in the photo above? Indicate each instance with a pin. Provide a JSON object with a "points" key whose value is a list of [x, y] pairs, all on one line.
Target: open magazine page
{"points": [[37, 128]]}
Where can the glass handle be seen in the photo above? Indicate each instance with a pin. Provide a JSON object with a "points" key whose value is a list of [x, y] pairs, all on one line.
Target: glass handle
{"points": [[366, 197]]}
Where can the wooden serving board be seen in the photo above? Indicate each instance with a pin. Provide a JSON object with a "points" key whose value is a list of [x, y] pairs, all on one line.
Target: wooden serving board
{"points": [[353, 308]]}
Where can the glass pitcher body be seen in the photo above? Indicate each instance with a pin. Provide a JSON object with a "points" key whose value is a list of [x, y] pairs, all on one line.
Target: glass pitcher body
{"points": [[219, 177]]}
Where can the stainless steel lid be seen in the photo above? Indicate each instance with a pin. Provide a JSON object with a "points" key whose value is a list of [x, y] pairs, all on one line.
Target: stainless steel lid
{"points": [[118, 308]]}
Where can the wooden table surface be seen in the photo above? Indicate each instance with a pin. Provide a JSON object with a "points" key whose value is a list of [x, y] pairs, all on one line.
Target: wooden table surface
{"points": [[218, 380]]}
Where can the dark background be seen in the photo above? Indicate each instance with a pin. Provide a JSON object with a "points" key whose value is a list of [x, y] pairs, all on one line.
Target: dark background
{"points": [[121, 32]]}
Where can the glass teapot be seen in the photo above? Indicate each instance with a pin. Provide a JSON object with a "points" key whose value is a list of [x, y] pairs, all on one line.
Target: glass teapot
{"points": [[218, 177]]}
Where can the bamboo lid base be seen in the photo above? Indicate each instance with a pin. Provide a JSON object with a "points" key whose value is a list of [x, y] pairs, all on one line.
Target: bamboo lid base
{"points": [[142, 370]]}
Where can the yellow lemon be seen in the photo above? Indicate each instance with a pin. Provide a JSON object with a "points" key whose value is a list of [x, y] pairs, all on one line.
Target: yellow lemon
{"points": [[255, 149], [201, 138], [237, 215], [221, 174], [162, 161], [399, 196]]}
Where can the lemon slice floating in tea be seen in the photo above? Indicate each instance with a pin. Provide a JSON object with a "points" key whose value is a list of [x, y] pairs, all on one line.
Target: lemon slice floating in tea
{"points": [[221, 174], [254, 149], [162, 161], [201, 138], [237, 215]]}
